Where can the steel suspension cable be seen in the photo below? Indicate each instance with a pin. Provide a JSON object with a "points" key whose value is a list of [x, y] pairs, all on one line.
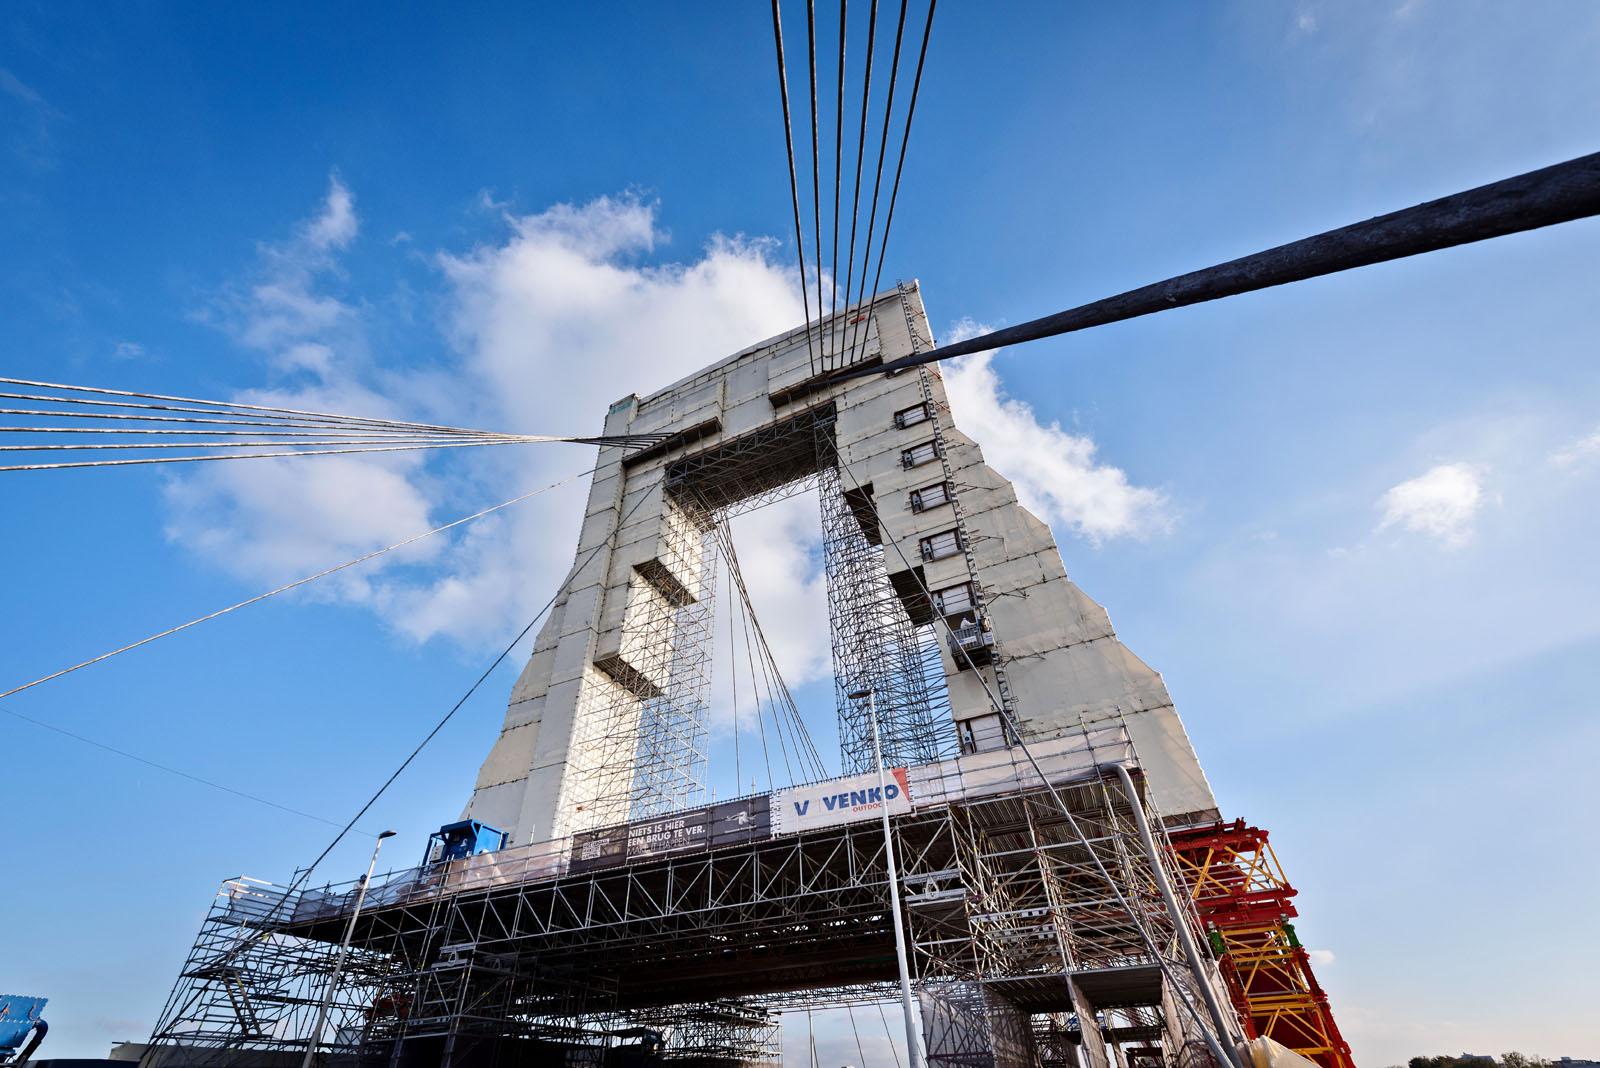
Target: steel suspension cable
{"points": [[331, 423], [736, 606], [1561, 193], [794, 184], [169, 769], [859, 1051], [176, 432], [816, 181], [298, 582], [804, 746], [317, 428], [886, 1031], [752, 643], [861, 150], [883, 147], [838, 163], [424, 444], [226, 404], [911, 111], [761, 723], [324, 426], [238, 444], [462, 444], [733, 686], [310, 428]]}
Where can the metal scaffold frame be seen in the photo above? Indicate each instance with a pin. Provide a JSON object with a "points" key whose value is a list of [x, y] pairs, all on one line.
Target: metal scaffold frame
{"points": [[490, 960], [1028, 893], [1245, 903], [639, 746], [876, 646], [249, 990]]}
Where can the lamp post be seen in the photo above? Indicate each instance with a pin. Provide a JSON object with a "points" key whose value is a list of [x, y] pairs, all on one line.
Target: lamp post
{"points": [[914, 1052], [344, 948]]}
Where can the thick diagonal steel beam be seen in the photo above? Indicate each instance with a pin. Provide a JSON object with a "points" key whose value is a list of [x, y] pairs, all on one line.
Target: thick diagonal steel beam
{"points": [[1562, 193]]}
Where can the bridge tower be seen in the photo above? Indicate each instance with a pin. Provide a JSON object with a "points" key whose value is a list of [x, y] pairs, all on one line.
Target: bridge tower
{"points": [[930, 554], [1038, 766]]}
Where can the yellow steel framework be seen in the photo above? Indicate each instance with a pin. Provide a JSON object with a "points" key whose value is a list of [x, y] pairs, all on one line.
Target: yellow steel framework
{"points": [[1245, 904]]}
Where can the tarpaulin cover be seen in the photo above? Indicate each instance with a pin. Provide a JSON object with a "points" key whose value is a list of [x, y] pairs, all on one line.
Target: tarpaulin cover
{"points": [[249, 901], [18, 1014], [1076, 756]]}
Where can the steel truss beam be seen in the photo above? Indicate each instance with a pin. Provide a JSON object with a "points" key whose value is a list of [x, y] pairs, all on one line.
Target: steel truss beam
{"points": [[1000, 892], [1245, 903]]}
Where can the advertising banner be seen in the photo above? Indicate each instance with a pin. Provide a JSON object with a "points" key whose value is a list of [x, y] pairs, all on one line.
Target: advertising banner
{"points": [[741, 821], [669, 834], [824, 804], [703, 828], [598, 849]]}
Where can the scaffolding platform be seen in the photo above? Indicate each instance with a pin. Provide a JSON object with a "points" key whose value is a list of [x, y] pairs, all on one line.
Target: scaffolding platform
{"points": [[547, 945]]}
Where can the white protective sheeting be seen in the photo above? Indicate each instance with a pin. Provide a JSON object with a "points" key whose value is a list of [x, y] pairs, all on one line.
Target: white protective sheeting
{"points": [[1080, 755], [504, 867]]}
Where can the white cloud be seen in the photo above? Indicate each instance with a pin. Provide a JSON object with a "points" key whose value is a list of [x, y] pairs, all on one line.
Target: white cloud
{"points": [[787, 585], [1442, 502], [275, 520], [1055, 472], [336, 227], [1322, 958], [279, 519], [31, 122], [1579, 449], [548, 325], [283, 307]]}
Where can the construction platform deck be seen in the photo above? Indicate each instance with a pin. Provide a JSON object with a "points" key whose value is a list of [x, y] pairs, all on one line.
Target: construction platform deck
{"points": [[1001, 888]]}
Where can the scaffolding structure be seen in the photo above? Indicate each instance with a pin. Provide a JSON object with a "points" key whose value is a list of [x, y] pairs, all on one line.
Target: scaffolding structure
{"points": [[1245, 903], [639, 744], [876, 645], [654, 928], [249, 992], [535, 953]]}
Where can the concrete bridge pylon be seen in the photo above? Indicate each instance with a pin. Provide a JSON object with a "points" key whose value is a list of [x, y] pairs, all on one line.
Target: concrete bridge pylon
{"points": [[946, 594]]}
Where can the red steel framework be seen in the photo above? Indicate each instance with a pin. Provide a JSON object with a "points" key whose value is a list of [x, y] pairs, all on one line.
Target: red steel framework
{"points": [[1245, 905]]}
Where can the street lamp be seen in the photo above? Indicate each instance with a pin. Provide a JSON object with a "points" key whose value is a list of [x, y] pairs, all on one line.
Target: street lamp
{"points": [[344, 948], [914, 1053]]}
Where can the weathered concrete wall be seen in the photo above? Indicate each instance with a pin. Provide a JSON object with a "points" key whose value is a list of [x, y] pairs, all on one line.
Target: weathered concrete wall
{"points": [[1055, 647]]}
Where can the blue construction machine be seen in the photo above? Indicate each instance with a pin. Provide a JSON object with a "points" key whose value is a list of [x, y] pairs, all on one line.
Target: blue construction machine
{"points": [[19, 1018], [466, 838]]}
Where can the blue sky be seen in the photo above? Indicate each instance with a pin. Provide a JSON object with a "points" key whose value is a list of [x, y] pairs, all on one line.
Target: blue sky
{"points": [[1351, 521]]}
